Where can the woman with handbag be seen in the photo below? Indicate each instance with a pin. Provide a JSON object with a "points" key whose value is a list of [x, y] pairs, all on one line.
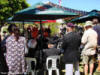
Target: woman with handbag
{"points": [[89, 40]]}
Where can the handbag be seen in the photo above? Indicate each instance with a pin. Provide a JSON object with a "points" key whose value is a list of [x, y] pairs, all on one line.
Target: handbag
{"points": [[25, 47], [26, 50], [32, 43]]}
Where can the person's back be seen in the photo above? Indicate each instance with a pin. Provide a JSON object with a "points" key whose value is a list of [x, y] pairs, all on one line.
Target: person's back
{"points": [[71, 45], [72, 40], [90, 38], [15, 45]]}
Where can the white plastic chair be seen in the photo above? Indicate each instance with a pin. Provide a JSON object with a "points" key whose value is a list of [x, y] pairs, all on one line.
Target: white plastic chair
{"points": [[53, 60], [29, 65]]}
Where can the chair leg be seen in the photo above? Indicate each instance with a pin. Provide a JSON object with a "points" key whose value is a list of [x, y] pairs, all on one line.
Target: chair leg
{"points": [[45, 72], [57, 71], [49, 72], [36, 72], [33, 72]]}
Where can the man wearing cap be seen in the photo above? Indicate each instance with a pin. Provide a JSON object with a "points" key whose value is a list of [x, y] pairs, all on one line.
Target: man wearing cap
{"points": [[70, 44], [96, 27], [89, 40]]}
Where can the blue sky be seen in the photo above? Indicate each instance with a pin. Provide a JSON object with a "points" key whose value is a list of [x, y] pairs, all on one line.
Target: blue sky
{"points": [[86, 5]]}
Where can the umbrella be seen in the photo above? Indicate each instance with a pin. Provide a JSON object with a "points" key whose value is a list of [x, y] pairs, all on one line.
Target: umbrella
{"points": [[89, 16], [44, 12], [48, 14], [41, 11]]}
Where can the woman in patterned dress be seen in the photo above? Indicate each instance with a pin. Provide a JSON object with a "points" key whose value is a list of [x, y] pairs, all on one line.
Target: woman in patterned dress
{"points": [[15, 45]]}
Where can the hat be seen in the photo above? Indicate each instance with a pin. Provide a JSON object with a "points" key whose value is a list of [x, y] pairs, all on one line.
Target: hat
{"points": [[70, 25], [88, 23]]}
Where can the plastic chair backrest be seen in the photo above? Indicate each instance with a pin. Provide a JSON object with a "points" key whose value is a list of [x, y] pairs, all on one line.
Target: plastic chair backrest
{"points": [[54, 60]]}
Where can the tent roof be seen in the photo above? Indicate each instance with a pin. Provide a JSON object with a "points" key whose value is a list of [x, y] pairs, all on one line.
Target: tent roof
{"points": [[89, 16], [41, 11]]}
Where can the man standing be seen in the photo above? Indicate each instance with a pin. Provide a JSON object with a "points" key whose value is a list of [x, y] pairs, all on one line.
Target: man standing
{"points": [[97, 29], [70, 45], [89, 40]]}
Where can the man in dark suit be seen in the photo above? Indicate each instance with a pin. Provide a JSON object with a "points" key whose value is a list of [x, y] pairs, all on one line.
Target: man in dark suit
{"points": [[70, 45]]}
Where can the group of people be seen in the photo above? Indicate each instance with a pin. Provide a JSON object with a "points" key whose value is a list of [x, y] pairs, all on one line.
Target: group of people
{"points": [[74, 46], [85, 46], [33, 31], [17, 47]]}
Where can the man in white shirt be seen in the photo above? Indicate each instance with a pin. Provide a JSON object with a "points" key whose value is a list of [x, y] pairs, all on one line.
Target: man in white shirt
{"points": [[89, 39]]}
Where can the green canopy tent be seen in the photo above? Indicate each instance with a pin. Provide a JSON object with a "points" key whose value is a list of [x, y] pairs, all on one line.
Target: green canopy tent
{"points": [[44, 12], [89, 16], [41, 11], [49, 14]]}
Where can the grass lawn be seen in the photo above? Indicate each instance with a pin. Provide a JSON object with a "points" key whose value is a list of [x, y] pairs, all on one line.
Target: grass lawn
{"points": [[81, 69]]}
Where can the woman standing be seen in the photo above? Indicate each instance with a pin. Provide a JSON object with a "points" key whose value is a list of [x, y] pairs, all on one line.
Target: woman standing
{"points": [[15, 45]]}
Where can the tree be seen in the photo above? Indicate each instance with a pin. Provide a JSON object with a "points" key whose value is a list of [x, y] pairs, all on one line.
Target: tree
{"points": [[9, 7], [54, 27]]}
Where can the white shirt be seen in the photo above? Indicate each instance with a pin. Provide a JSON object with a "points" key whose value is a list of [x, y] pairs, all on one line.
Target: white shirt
{"points": [[89, 38]]}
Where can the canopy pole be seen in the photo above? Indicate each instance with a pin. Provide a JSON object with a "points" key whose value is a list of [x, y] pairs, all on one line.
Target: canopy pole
{"points": [[41, 33], [41, 43], [23, 29], [41, 28]]}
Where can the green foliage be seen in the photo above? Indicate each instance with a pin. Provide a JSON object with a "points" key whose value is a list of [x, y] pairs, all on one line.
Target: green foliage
{"points": [[9, 7], [54, 27]]}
